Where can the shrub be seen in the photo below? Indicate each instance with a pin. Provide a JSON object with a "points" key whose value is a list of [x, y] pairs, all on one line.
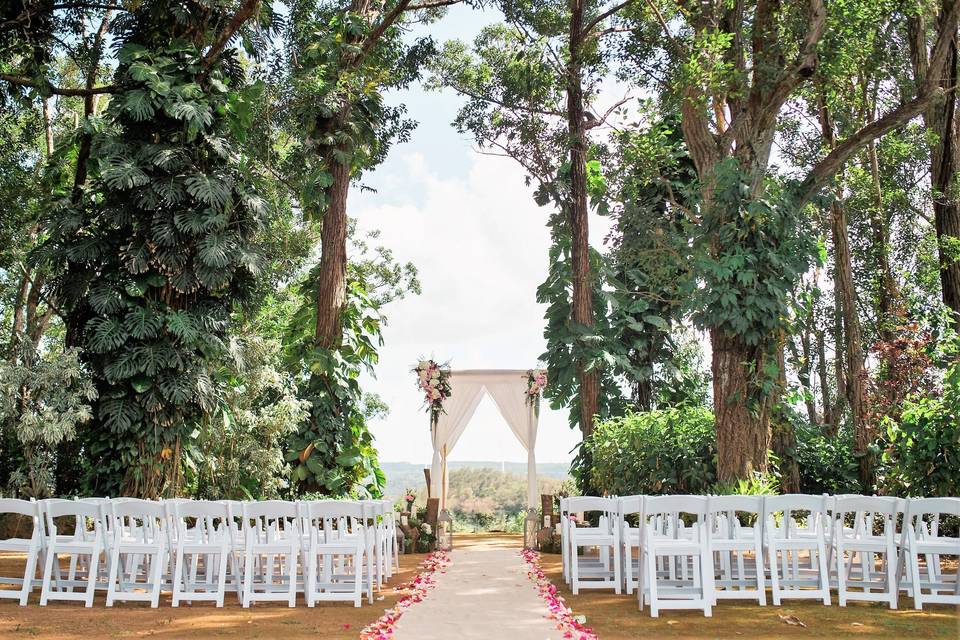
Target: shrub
{"points": [[825, 461], [922, 456], [665, 451]]}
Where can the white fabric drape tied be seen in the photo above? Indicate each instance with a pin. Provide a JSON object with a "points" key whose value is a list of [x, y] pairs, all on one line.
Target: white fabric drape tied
{"points": [[508, 388]]}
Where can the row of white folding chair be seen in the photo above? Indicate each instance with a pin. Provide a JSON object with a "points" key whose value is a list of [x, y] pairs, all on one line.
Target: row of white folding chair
{"points": [[776, 535], [213, 528]]}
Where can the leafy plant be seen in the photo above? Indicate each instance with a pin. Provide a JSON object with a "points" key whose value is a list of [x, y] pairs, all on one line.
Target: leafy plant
{"points": [[923, 448], [657, 452], [155, 254], [238, 451], [42, 402]]}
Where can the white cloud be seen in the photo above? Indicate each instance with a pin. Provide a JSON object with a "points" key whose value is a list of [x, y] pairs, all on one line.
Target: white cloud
{"points": [[480, 243]]}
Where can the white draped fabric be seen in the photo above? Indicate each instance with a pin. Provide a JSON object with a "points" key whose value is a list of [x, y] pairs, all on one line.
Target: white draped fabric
{"points": [[508, 388]]}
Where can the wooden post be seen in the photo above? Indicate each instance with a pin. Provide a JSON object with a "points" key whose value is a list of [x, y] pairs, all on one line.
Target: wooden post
{"points": [[433, 512], [546, 506], [426, 476]]}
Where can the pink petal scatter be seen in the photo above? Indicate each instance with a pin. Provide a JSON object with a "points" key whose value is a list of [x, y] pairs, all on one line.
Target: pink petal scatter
{"points": [[416, 590], [559, 613]]}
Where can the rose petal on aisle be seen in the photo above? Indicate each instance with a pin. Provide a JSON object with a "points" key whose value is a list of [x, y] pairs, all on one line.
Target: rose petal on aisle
{"points": [[422, 583], [558, 610]]}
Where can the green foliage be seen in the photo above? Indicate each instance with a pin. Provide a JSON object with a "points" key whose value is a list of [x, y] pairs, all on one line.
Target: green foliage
{"points": [[157, 252], [238, 452], [332, 451], [42, 402], [656, 452], [923, 450], [757, 484], [825, 460]]}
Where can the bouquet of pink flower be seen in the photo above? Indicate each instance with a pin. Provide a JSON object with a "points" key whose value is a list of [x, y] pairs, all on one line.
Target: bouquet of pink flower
{"points": [[536, 383], [434, 380]]}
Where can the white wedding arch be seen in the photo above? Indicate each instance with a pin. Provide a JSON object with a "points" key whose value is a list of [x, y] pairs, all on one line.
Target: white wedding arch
{"points": [[508, 389]]}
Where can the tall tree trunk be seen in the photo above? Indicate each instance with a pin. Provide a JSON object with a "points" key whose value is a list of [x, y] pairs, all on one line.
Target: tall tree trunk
{"points": [[804, 367], [783, 436], [332, 278], [743, 436], [887, 293], [582, 304], [843, 284], [852, 345], [941, 118], [825, 402]]}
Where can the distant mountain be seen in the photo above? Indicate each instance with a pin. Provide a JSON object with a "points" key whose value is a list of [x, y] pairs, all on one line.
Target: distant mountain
{"points": [[407, 475]]}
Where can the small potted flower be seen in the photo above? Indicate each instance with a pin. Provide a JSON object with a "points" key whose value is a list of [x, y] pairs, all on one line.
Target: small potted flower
{"points": [[410, 498]]}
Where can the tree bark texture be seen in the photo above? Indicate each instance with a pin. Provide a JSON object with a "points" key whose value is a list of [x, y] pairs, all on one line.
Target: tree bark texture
{"points": [[743, 435], [582, 303], [941, 119]]}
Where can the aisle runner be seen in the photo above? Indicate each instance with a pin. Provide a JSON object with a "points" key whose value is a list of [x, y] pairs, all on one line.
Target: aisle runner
{"points": [[485, 594]]}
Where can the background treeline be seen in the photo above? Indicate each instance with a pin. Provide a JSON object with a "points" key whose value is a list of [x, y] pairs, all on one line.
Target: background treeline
{"points": [[775, 305], [188, 307]]}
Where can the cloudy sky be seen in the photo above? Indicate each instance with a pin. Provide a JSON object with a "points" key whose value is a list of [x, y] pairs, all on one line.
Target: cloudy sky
{"points": [[469, 224]]}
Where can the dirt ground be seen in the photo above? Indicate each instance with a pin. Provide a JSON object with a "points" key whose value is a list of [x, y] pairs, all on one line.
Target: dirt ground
{"points": [[69, 620], [615, 617], [612, 617]]}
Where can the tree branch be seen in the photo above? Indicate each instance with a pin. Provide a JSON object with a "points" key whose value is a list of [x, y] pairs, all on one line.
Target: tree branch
{"points": [[244, 13], [374, 36], [806, 62], [606, 114], [432, 4], [677, 48], [927, 93], [603, 16], [60, 91]]}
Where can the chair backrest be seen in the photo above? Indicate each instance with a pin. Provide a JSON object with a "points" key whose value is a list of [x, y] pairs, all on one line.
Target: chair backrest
{"points": [[84, 513], [779, 513], [934, 507], [864, 504], [23, 508], [745, 504], [145, 520], [586, 504], [208, 516], [729, 514], [132, 507], [329, 518], [19, 507], [692, 505], [631, 504]]}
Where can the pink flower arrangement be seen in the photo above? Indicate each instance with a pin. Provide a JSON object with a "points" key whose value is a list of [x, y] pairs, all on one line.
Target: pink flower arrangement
{"points": [[434, 380], [536, 383], [417, 590], [558, 610]]}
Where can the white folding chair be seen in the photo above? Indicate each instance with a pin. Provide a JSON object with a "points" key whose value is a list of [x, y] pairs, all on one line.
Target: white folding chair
{"points": [[565, 524], [237, 544], [786, 537], [32, 546], [631, 538], [272, 534], [864, 515], [666, 536], [736, 540], [922, 537], [374, 513], [600, 571], [140, 538], [202, 542], [338, 558], [86, 541]]}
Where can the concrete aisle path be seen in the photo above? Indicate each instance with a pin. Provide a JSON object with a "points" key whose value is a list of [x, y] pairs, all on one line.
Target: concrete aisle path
{"points": [[486, 594]]}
